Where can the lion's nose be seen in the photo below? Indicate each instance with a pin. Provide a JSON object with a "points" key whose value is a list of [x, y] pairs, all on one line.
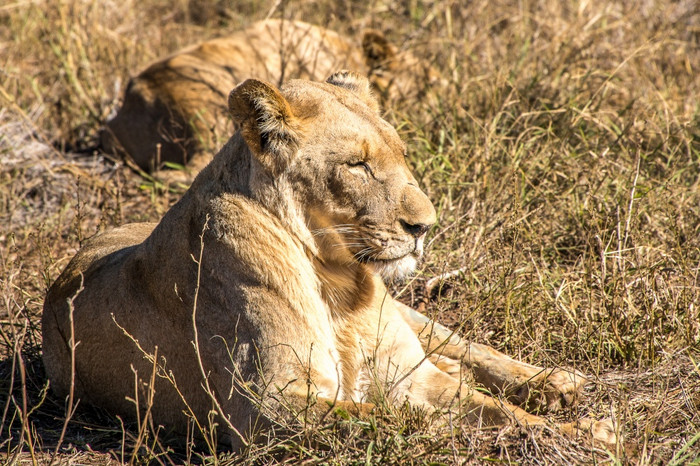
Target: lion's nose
{"points": [[417, 213], [416, 230]]}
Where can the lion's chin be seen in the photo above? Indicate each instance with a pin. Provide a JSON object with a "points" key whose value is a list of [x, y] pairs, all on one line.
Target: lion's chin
{"points": [[395, 269]]}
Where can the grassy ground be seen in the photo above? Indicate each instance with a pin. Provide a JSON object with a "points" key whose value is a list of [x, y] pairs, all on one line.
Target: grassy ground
{"points": [[563, 157]]}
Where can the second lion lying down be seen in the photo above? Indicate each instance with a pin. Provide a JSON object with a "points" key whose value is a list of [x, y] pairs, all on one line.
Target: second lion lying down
{"points": [[175, 109], [261, 293]]}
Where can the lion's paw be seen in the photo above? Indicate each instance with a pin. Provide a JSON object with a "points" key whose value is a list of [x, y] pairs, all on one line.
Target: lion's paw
{"points": [[549, 390], [602, 432]]}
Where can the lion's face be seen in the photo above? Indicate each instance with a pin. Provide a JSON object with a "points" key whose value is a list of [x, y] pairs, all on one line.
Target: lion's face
{"points": [[359, 198], [359, 187]]}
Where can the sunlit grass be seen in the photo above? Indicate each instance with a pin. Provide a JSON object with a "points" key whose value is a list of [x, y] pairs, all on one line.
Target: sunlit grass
{"points": [[563, 156]]}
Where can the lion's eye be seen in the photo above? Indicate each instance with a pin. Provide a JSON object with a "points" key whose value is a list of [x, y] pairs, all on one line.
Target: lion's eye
{"points": [[363, 164]]}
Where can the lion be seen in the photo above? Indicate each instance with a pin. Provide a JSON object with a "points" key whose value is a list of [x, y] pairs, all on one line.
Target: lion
{"points": [[262, 292], [175, 109]]}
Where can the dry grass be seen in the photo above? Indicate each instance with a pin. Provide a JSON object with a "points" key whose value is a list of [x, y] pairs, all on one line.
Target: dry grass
{"points": [[564, 159]]}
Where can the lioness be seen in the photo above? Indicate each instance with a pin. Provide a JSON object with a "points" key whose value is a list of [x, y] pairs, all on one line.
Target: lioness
{"points": [[175, 109], [261, 292]]}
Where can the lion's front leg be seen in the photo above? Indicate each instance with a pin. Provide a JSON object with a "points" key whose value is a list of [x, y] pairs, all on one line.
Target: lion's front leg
{"points": [[521, 383], [441, 391], [534, 387]]}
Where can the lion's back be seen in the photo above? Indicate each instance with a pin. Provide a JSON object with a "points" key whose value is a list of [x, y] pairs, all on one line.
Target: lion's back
{"points": [[100, 257]]}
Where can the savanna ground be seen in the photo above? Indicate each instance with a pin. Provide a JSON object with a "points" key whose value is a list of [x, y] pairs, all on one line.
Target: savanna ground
{"points": [[563, 157]]}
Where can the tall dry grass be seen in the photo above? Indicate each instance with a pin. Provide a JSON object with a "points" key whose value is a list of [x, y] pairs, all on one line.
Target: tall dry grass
{"points": [[563, 157]]}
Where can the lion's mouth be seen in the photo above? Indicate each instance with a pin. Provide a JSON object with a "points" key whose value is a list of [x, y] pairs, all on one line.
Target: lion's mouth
{"points": [[393, 269], [394, 259]]}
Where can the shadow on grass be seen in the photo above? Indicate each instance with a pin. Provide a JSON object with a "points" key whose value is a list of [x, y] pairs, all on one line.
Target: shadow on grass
{"points": [[91, 434]]}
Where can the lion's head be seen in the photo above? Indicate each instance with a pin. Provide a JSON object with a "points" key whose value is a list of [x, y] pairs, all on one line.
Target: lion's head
{"points": [[398, 75], [326, 146]]}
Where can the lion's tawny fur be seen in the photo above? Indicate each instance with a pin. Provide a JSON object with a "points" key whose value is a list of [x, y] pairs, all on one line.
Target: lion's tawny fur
{"points": [[261, 292]]}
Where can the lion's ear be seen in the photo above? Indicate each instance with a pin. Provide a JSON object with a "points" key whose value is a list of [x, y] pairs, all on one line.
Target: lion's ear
{"points": [[267, 123], [356, 83]]}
